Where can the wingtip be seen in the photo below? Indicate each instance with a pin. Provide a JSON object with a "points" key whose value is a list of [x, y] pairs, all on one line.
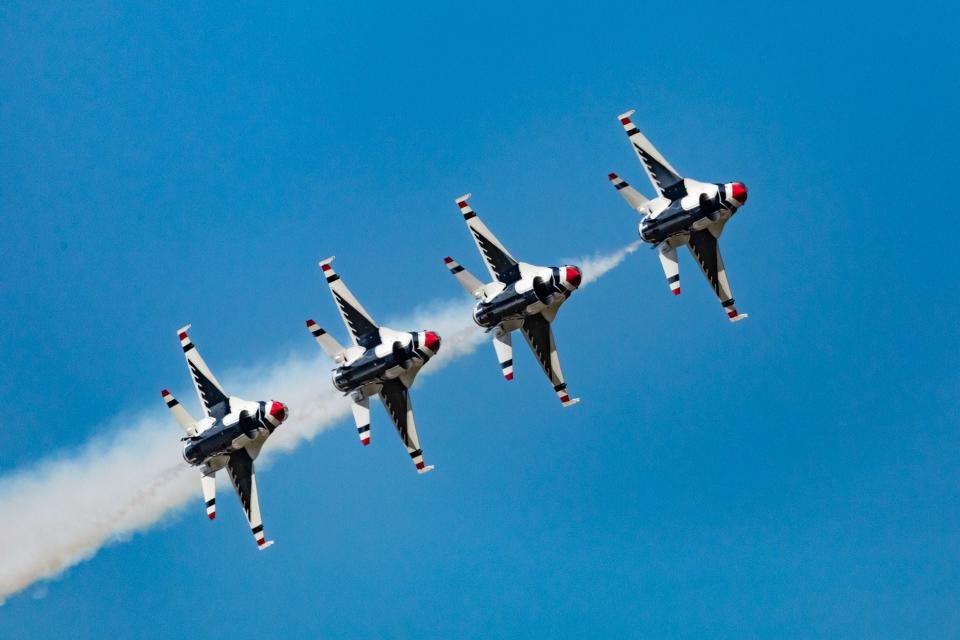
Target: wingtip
{"points": [[626, 115], [571, 402], [326, 261], [463, 198], [426, 469], [739, 317], [182, 331], [165, 393], [310, 322], [612, 176], [265, 545]]}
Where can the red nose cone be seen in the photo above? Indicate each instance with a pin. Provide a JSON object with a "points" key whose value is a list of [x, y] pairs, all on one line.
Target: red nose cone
{"points": [[278, 411], [431, 341], [740, 192], [574, 276]]}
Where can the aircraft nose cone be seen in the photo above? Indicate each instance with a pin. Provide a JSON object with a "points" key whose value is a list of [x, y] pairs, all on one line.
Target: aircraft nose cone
{"points": [[431, 341], [278, 411], [740, 192], [574, 276]]}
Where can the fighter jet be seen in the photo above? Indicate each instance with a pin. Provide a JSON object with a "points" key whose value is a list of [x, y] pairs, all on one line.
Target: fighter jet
{"points": [[685, 212], [521, 296], [230, 435], [378, 361]]}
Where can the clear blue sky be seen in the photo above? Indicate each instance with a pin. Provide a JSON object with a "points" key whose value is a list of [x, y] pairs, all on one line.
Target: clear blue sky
{"points": [[794, 475]]}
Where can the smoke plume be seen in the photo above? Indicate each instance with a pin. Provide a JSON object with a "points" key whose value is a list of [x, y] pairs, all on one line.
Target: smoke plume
{"points": [[63, 510]]}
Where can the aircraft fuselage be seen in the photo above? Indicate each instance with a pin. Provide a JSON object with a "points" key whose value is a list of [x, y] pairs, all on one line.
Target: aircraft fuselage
{"points": [[397, 353], [537, 289], [247, 423], [697, 205]]}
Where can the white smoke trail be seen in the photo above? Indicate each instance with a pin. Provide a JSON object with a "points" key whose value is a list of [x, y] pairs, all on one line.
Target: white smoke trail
{"points": [[595, 266], [63, 510]]}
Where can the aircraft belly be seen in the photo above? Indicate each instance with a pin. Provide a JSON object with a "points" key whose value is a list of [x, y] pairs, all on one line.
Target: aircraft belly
{"points": [[221, 442], [244, 439], [370, 375], [702, 223], [393, 372], [536, 307], [663, 227], [506, 306]]}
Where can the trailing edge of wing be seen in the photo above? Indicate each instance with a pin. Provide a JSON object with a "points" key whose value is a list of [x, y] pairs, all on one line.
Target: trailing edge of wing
{"points": [[501, 265], [536, 329], [240, 470], [396, 400], [359, 323], [706, 251], [662, 175], [211, 393]]}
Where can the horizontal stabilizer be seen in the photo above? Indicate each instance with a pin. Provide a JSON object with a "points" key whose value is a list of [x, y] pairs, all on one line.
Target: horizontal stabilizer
{"points": [[208, 481], [361, 417], [633, 197], [327, 342], [671, 267], [467, 280], [503, 345], [186, 422]]}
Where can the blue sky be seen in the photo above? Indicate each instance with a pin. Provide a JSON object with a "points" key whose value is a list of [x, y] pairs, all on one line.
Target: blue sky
{"points": [[792, 475]]}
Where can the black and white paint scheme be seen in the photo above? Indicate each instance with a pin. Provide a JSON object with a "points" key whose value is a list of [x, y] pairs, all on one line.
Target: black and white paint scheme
{"points": [[230, 436], [685, 212], [380, 361], [521, 296]]}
